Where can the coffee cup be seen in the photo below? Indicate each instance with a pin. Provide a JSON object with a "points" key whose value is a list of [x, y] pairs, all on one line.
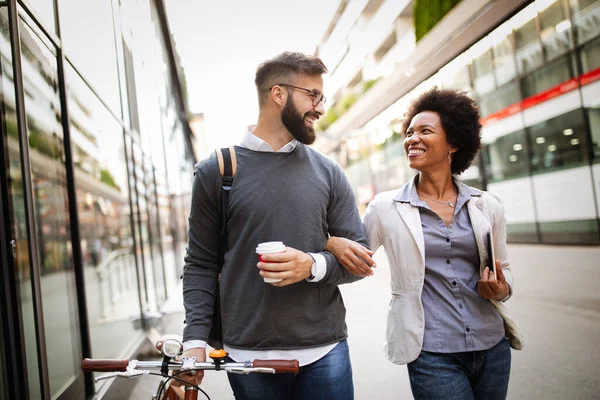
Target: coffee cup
{"points": [[269, 248]]}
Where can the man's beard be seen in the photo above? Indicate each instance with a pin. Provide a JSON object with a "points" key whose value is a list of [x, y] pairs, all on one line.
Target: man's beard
{"points": [[295, 124]]}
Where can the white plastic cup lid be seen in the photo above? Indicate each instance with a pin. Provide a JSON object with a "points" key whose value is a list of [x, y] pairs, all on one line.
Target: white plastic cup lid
{"points": [[270, 247]]}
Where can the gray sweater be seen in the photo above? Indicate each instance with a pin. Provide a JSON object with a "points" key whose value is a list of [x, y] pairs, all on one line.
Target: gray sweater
{"points": [[299, 198]]}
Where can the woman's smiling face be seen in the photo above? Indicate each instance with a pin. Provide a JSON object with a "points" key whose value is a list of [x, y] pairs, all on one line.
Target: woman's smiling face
{"points": [[425, 143]]}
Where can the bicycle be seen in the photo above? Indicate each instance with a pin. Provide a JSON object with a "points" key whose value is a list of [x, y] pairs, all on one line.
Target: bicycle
{"points": [[171, 348]]}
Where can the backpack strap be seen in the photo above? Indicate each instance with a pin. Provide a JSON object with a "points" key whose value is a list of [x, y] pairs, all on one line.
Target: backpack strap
{"points": [[227, 168]]}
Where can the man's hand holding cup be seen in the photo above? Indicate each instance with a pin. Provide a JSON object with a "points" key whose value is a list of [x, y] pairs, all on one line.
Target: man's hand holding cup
{"points": [[282, 266]]}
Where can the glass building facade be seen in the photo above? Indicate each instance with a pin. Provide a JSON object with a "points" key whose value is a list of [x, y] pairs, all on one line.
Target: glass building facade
{"points": [[95, 150], [536, 78]]}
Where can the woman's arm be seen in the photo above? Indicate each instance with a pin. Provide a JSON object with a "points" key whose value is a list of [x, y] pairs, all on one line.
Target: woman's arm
{"points": [[354, 257]]}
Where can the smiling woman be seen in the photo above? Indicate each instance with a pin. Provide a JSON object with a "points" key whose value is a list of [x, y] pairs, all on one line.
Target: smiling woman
{"points": [[460, 299], [453, 117]]}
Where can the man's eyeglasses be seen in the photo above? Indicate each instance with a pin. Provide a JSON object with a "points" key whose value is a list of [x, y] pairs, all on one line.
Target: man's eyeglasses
{"points": [[317, 96]]}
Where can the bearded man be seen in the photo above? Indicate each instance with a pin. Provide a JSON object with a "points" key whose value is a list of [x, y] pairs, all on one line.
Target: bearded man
{"points": [[283, 191]]}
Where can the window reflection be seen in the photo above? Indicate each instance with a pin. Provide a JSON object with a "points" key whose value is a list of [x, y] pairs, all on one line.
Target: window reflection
{"points": [[89, 41], [155, 238], [586, 17], [472, 175], [44, 9], [456, 74], [506, 157], [594, 118], [139, 232], [503, 97], [528, 46], [483, 73], [17, 220], [104, 220], [46, 147], [549, 76], [590, 56], [555, 30], [505, 66], [559, 142]]}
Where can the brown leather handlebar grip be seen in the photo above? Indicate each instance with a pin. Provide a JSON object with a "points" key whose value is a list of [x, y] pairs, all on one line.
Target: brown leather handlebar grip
{"points": [[100, 365], [280, 366]]}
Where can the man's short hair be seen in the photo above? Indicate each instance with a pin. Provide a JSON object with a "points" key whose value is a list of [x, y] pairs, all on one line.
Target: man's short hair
{"points": [[283, 68]]}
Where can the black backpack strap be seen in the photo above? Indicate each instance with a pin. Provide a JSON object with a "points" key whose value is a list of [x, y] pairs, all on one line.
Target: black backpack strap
{"points": [[227, 168]]}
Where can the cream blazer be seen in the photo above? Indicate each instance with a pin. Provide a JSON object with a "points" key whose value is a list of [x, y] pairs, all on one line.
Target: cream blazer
{"points": [[397, 227]]}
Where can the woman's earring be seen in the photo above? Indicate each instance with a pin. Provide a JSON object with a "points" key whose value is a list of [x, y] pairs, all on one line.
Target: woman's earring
{"points": [[450, 157]]}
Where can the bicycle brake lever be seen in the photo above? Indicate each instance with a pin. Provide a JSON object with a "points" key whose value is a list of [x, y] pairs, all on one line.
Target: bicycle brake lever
{"points": [[246, 371], [108, 376], [132, 372], [128, 374]]}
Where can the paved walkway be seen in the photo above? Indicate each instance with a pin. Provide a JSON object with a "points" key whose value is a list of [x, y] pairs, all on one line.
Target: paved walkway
{"points": [[556, 301]]}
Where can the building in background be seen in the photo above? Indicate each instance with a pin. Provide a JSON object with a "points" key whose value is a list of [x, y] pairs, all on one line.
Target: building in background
{"points": [[96, 167], [533, 67], [201, 143]]}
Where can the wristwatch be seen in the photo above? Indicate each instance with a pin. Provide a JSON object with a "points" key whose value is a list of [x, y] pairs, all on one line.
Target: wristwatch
{"points": [[313, 269]]}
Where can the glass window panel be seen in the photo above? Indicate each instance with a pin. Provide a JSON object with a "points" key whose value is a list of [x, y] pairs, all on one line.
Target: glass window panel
{"points": [[154, 235], [14, 180], [503, 97], [590, 56], [505, 66], [144, 227], [137, 186], [104, 217], [166, 233], [89, 42], [549, 76], [594, 118], [586, 17], [506, 157], [559, 142], [42, 105], [44, 9], [555, 30], [456, 75], [528, 47], [472, 175], [483, 74]]}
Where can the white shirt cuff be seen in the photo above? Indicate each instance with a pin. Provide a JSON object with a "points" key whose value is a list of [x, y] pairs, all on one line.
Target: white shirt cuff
{"points": [[321, 267], [192, 344]]}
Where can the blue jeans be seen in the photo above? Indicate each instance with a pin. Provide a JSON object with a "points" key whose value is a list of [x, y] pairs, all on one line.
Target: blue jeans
{"points": [[328, 378], [458, 376]]}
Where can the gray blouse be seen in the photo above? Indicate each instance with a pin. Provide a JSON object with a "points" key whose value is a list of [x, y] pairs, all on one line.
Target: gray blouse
{"points": [[457, 319]]}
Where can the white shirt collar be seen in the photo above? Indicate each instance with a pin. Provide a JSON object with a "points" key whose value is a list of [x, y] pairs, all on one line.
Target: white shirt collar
{"points": [[253, 142]]}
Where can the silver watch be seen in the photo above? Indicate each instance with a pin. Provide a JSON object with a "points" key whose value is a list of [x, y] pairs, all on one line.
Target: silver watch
{"points": [[313, 269]]}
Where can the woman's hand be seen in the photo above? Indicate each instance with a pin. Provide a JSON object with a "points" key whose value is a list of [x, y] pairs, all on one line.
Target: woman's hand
{"points": [[491, 287], [354, 257]]}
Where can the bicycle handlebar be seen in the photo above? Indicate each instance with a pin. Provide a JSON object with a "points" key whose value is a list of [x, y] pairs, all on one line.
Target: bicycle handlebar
{"points": [[280, 366], [106, 365], [169, 349]]}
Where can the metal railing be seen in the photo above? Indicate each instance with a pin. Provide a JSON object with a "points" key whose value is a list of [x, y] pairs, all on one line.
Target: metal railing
{"points": [[116, 277]]}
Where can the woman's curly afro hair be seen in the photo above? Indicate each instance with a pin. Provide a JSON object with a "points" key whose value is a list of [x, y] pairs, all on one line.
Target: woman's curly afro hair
{"points": [[459, 115]]}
